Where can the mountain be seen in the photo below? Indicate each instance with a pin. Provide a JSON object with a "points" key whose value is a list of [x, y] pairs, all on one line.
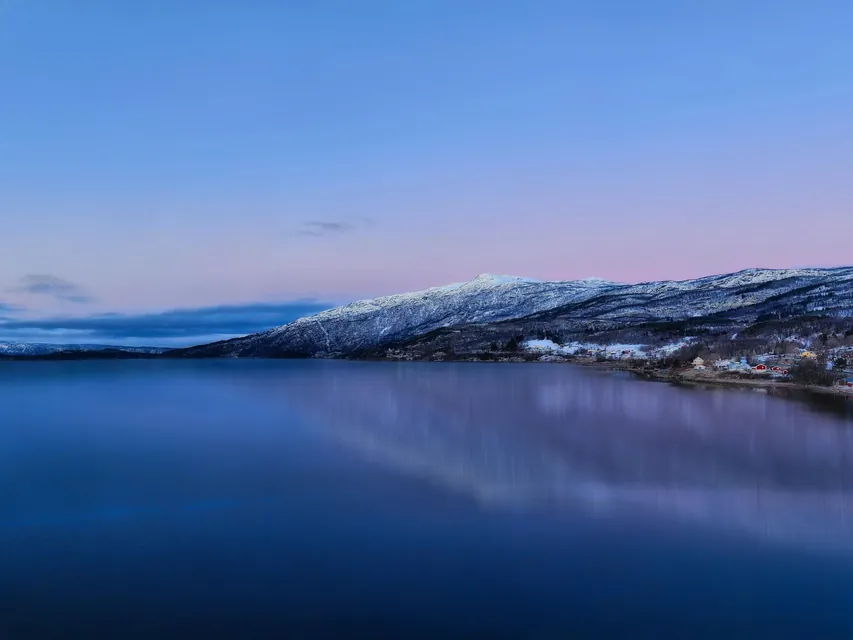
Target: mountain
{"points": [[371, 323], [489, 310], [41, 349]]}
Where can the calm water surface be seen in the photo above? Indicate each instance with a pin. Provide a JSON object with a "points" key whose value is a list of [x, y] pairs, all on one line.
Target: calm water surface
{"points": [[263, 499]]}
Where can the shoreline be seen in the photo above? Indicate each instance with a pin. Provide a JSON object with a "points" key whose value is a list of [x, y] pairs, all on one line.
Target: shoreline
{"points": [[711, 379], [684, 377]]}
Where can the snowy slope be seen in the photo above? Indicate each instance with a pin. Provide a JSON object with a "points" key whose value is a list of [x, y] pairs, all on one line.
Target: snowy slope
{"points": [[368, 323], [490, 299], [751, 292]]}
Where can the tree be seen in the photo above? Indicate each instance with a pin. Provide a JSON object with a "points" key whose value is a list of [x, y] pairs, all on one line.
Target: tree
{"points": [[512, 343], [840, 363], [553, 336], [812, 372]]}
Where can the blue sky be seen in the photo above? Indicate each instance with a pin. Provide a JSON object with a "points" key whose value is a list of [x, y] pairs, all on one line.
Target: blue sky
{"points": [[187, 155]]}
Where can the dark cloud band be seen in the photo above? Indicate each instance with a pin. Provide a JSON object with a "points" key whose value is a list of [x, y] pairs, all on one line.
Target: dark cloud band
{"points": [[183, 324]]}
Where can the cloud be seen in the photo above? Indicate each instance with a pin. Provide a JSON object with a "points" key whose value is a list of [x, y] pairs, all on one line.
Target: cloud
{"points": [[8, 310], [53, 286], [178, 326], [325, 228]]}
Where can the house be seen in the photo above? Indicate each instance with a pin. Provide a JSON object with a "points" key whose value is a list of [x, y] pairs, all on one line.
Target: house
{"points": [[698, 362], [724, 365], [741, 365], [808, 354], [849, 382], [776, 369], [784, 372], [761, 367]]}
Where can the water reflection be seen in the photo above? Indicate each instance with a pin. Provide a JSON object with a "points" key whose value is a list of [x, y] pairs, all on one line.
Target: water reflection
{"points": [[557, 436]]}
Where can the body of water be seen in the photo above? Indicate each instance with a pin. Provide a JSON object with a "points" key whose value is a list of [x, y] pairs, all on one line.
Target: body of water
{"points": [[314, 499]]}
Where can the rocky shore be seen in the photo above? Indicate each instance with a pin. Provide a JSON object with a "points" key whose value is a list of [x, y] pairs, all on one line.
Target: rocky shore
{"points": [[710, 377]]}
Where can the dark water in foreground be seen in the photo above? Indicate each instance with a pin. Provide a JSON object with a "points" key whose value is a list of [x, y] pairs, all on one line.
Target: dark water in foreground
{"points": [[332, 499]]}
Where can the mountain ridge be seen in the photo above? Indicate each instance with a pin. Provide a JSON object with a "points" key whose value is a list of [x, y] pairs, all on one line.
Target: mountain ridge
{"points": [[487, 304]]}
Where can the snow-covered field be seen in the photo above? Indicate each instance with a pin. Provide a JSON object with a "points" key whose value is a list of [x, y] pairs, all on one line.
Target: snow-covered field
{"points": [[617, 350]]}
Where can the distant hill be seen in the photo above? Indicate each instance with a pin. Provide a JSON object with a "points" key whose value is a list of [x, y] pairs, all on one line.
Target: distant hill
{"points": [[33, 349]]}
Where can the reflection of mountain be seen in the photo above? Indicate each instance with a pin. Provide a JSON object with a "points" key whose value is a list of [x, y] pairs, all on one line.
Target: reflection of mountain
{"points": [[564, 435]]}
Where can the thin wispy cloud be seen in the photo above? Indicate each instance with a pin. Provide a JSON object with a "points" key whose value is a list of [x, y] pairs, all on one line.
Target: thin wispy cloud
{"points": [[54, 287], [178, 326], [328, 228]]}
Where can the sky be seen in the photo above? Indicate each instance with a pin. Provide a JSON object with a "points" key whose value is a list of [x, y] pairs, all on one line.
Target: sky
{"points": [[219, 167]]}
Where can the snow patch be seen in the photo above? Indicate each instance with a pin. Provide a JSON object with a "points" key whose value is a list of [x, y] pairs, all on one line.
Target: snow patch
{"points": [[610, 351], [498, 279], [541, 345]]}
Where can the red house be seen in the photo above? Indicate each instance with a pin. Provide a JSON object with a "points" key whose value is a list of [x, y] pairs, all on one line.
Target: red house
{"points": [[761, 367], [784, 372], [776, 368]]}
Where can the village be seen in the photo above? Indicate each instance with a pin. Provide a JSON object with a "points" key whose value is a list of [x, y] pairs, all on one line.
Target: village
{"points": [[831, 367], [779, 367]]}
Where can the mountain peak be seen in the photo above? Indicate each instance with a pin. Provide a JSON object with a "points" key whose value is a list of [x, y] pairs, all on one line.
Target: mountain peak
{"points": [[601, 281], [495, 279], [492, 278]]}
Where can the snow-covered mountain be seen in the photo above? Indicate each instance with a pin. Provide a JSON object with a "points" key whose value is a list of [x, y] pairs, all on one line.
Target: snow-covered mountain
{"points": [[40, 349], [576, 305], [369, 323], [749, 293]]}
